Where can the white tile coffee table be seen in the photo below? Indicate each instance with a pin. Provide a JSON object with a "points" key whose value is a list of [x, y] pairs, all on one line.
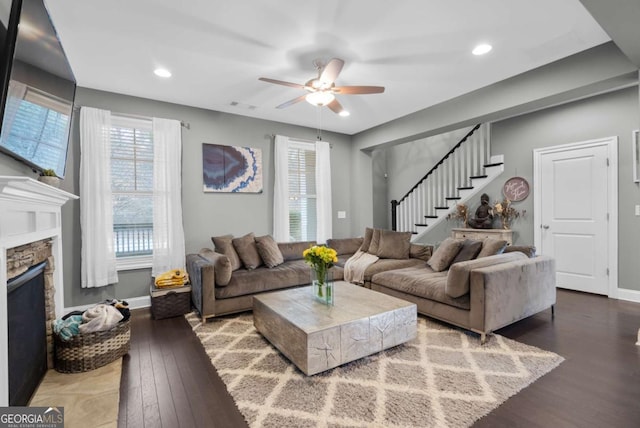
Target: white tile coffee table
{"points": [[316, 337]]}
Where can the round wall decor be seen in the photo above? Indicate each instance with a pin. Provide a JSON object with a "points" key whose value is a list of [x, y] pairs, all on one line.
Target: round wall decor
{"points": [[516, 189]]}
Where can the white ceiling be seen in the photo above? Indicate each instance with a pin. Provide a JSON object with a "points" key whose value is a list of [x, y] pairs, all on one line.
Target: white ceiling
{"points": [[420, 50]]}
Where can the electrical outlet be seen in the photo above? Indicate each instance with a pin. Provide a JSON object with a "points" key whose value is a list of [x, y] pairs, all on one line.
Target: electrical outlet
{"points": [[342, 214], [638, 210]]}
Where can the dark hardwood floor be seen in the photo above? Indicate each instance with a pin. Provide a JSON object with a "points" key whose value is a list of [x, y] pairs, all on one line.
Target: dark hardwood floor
{"points": [[167, 380]]}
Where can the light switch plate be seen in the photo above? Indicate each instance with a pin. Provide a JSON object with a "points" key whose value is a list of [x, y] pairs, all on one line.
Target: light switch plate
{"points": [[342, 214]]}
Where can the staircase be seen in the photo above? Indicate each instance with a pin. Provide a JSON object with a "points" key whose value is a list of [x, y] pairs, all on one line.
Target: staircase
{"points": [[460, 175]]}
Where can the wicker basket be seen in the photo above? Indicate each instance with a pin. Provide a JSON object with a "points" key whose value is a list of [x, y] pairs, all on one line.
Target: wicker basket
{"points": [[89, 351], [170, 302]]}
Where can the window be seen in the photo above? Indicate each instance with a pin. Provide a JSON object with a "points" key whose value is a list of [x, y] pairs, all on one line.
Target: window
{"points": [[132, 187], [302, 191]]}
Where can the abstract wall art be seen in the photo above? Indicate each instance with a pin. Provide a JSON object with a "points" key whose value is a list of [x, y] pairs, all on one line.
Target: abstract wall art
{"points": [[230, 169]]}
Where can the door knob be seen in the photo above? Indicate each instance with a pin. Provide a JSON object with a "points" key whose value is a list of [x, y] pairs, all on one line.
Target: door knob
{"points": [[545, 226]]}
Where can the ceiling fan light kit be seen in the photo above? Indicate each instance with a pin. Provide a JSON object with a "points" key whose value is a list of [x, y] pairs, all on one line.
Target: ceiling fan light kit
{"points": [[320, 98], [322, 89]]}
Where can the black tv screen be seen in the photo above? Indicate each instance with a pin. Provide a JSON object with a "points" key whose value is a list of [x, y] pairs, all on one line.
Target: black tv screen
{"points": [[39, 90]]}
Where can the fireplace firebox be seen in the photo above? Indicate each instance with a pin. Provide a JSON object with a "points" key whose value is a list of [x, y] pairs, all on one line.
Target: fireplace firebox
{"points": [[27, 334]]}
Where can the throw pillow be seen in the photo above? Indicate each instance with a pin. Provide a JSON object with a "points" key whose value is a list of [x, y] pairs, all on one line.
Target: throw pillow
{"points": [[366, 242], [269, 251], [394, 245], [469, 251], [491, 247], [444, 254], [247, 251], [421, 252], [223, 245], [345, 245], [375, 242], [221, 266]]}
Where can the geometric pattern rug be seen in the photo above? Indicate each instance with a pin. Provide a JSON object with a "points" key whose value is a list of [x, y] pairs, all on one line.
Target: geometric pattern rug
{"points": [[443, 378]]}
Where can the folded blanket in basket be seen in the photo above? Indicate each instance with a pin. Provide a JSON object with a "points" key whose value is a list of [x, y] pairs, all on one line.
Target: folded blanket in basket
{"points": [[172, 278], [99, 318], [68, 327]]}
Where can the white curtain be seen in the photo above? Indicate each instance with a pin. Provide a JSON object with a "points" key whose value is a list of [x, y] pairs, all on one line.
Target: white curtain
{"points": [[281, 189], [98, 258], [323, 192], [168, 233]]}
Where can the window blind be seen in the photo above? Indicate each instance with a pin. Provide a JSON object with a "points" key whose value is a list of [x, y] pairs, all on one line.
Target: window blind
{"points": [[302, 192]]}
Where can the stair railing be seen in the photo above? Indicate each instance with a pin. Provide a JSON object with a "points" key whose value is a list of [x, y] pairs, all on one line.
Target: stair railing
{"points": [[440, 185]]}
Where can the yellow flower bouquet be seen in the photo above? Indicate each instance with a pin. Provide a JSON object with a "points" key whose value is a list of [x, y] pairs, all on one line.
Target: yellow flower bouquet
{"points": [[321, 259]]}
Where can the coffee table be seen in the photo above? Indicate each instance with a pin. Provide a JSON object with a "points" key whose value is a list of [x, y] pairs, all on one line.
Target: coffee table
{"points": [[317, 337]]}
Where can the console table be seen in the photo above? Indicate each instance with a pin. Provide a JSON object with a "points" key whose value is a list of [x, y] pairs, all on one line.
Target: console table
{"points": [[480, 234]]}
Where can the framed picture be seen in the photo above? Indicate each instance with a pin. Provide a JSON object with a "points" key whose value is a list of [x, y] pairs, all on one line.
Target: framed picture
{"points": [[635, 143], [230, 169]]}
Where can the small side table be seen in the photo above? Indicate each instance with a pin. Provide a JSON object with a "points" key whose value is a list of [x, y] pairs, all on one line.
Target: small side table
{"points": [[480, 234]]}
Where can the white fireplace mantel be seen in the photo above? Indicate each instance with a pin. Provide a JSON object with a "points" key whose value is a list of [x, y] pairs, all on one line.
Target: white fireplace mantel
{"points": [[29, 211]]}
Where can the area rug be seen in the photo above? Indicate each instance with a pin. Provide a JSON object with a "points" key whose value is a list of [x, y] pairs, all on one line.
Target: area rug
{"points": [[443, 378]]}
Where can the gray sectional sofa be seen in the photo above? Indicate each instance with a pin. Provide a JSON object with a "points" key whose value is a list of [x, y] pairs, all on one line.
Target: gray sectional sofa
{"points": [[477, 285]]}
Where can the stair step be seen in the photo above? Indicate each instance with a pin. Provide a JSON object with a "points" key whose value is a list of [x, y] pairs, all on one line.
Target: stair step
{"points": [[431, 216], [453, 198], [466, 187], [421, 225], [478, 176], [489, 165]]}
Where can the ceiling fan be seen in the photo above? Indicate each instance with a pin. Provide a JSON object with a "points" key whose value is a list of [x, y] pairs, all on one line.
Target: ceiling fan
{"points": [[322, 89]]}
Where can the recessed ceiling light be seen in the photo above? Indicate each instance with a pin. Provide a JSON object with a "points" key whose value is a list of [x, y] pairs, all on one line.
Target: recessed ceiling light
{"points": [[162, 72], [481, 49], [344, 113]]}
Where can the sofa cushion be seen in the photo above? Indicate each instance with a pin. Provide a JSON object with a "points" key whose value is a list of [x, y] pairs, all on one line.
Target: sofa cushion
{"points": [[444, 254], [420, 251], [383, 265], [375, 242], [223, 245], [247, 251], [269, 251], [293, 250], [345, 245], [421, 282], [491, 247], [221, 265], [469, 251], [366, 241], [459, 273], [289, 274], [394, 245]]}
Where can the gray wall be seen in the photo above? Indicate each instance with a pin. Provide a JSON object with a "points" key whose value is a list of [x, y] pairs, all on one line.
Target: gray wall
{"points": [[204, 214], [612, 114]]}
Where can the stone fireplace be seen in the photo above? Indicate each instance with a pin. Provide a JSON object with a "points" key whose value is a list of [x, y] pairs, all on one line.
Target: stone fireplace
{"points": [[30, 229]]}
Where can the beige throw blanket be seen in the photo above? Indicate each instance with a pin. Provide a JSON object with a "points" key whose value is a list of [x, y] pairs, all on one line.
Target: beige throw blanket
{"points": [[356, 265], [99, 318]]}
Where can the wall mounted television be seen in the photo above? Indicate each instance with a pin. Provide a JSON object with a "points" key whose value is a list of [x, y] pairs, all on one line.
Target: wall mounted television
{"points": [[38, 87]]}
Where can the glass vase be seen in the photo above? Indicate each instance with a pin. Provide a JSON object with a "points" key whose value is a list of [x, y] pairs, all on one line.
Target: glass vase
{"points": [[322, 285]]}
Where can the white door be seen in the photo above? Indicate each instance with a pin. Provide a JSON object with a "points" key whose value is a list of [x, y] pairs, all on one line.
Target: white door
{"points": [[574, 211]]}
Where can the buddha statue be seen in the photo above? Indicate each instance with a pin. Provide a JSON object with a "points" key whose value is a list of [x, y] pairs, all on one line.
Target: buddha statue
{"points": [[484, 215]]}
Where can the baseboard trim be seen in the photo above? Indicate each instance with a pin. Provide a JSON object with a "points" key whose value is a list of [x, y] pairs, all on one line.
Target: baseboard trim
{"points": [[134, 303], [629, 295]]}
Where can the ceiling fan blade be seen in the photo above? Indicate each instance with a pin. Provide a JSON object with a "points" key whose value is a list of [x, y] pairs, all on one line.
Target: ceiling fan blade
{"points": [[331, 71], [292, 102], [335, 106], [358, 89], [281, 82]]}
